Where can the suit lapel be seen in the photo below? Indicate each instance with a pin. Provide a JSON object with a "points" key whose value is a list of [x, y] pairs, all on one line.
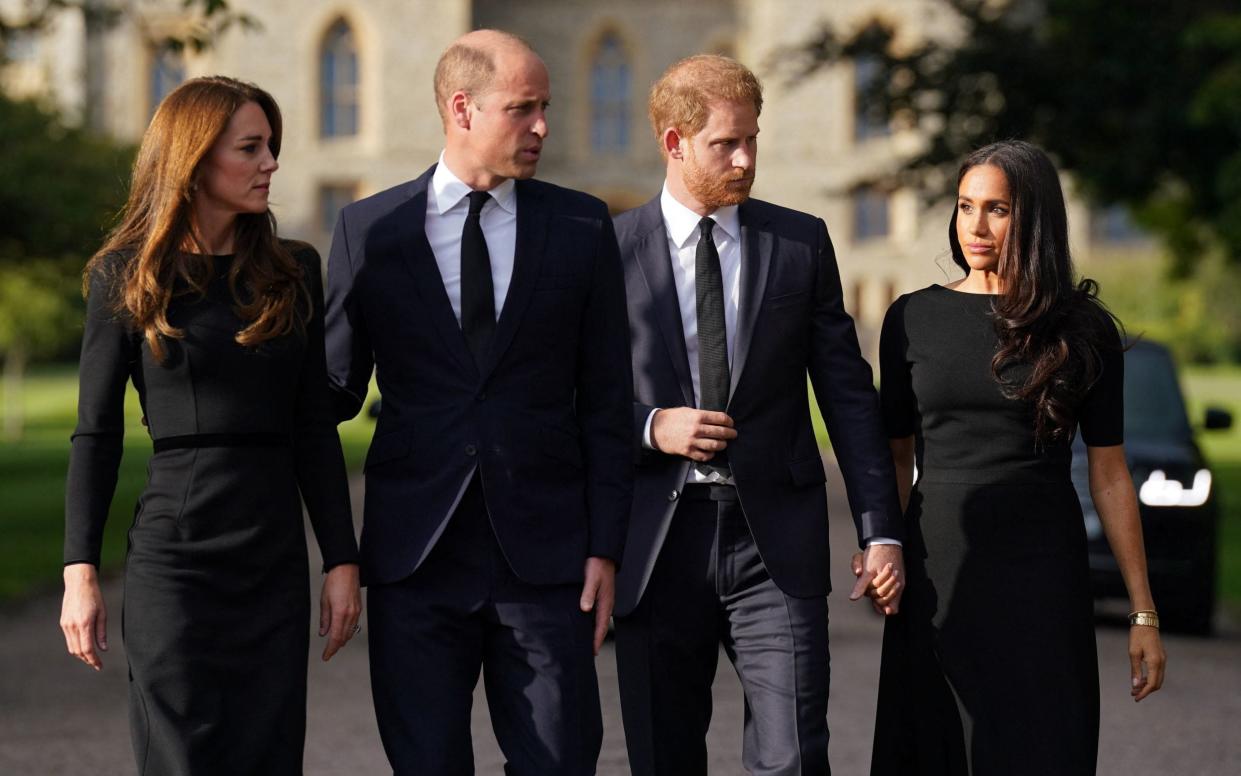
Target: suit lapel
{"points": [[757, 246], [420, 260], [656, 264], [532, 223]]}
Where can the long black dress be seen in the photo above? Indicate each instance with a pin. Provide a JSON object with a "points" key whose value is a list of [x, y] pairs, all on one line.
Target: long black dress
{"points": [[990, 668], [216, 606]]}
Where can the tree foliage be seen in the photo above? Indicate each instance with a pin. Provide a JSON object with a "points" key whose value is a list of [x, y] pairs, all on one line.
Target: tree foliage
{"points": [[207, 19], [1140, 101]]}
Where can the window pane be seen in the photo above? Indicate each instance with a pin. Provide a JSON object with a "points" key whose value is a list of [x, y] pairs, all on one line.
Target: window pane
{"points": [[609, 98], [332, 198], [338, 82], [167, 73], [866, 124], [870, 214]]}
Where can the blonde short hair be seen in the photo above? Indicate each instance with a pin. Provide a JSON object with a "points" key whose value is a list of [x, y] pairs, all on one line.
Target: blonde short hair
{"points": [[683, 95]]}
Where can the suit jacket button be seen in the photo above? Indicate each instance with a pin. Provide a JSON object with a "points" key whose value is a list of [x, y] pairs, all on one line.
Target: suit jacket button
{"points": [[674, 495], [471, 450]]}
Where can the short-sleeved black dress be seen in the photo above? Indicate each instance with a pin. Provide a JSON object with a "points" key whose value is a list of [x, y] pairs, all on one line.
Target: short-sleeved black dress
{"points": [[216, 606], [990, 668]]}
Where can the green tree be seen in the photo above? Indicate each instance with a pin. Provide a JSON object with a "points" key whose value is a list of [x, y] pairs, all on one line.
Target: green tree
{"points": [[59, 189], [1140, 101]]}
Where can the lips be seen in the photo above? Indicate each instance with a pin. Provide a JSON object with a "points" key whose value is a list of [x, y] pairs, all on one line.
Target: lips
{"points": [[979, 247]]}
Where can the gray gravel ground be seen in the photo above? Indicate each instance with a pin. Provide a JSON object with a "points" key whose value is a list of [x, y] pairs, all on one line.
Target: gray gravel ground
{"points": [[58, 717]]}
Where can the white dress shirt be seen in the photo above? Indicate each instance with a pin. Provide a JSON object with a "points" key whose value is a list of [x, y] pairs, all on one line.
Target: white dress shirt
{"points": [[681, 226], [447, 206]]}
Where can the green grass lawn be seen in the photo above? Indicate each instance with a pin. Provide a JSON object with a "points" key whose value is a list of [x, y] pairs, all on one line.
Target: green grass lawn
{"points": [[32, 474]]}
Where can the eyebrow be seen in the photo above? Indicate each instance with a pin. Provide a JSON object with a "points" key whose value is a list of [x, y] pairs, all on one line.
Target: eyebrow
{"points": [[249, 138], [963, 198]]}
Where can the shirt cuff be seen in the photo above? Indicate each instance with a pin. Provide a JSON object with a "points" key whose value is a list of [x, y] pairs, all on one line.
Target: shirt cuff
{"points": [[882, 540], [647, 442]]}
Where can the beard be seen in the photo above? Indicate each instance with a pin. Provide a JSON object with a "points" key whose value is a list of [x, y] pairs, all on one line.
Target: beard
{"points": [[716, 191]]}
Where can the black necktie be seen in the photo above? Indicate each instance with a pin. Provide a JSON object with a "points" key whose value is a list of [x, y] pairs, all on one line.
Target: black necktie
{"points": [[478, 306], [713, 377]]}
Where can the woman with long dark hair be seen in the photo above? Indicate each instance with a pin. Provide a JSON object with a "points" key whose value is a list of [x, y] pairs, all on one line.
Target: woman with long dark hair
{"points": [[219, 325], [990, 666]]}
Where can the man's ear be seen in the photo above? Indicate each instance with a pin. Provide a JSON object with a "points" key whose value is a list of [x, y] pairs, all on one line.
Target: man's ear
{"points": [[672, 143], [459, 109]]}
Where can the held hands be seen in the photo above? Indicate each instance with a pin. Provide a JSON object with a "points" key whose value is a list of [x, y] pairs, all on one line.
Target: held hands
{"points": [[340, 605], [1147, 661], [83, 616], [880, 573], [599, 594], [690, 433]]}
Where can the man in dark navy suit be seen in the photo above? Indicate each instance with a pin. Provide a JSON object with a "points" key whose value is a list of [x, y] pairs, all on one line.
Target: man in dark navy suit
{"points": [[499, 480], [732, 302]]}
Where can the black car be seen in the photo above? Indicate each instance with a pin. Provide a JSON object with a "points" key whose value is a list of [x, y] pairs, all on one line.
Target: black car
{"points": [[1176, 495]]}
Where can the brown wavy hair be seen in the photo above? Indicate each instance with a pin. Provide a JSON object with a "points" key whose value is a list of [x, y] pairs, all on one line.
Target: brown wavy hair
{"points": [[1047, 322], [156, 224]]}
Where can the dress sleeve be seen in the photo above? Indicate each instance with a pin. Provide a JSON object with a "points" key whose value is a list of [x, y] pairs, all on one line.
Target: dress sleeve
{"points": [[321, 471], [1102, 414], [109, 358], [896, 395]]}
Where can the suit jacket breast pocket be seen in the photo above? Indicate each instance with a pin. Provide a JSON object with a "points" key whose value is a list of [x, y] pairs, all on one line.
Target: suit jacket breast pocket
{"points": [[795, 299]]}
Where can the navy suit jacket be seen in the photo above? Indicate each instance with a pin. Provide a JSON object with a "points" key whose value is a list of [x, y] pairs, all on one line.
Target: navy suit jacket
{"points": [[544, 418], [791, 321]]}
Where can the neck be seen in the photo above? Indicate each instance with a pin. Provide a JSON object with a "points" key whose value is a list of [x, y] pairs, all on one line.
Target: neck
{"points": [[981, 281], [468, 172], [679, 191], [212, 232]]}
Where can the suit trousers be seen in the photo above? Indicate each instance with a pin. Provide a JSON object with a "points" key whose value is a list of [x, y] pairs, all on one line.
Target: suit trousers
{"points": [[463, 610], [710, 588]]}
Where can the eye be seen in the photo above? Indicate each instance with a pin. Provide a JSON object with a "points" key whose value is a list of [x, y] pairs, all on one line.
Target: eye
{"points": [[250, 148], [1000, 210], [964, 207]]}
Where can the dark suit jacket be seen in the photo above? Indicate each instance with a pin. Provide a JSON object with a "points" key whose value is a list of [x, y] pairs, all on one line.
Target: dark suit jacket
{"points": [[791, 321], [544, 418]]}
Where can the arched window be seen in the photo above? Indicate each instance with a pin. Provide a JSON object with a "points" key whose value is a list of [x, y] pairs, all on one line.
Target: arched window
{"points": [[868, 121], [338, 82], [609, 97]]}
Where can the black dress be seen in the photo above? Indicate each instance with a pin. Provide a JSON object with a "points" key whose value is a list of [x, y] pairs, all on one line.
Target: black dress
{"points": [[216, 606], [990, 668]]}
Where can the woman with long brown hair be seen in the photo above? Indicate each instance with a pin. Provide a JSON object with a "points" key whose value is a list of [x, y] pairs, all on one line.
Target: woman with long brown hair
{"points": [[990, 666], [219, 325]]}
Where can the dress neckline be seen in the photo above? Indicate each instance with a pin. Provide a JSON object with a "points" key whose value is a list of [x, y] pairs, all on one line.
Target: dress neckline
{"points": [[964, 293]]}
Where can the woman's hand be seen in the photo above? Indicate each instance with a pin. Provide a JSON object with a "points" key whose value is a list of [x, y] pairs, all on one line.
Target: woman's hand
{"points": [[1147, 661], [83, 616], [340, 605]]}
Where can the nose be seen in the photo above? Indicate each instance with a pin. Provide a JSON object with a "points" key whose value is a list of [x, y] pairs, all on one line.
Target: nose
{"points": [[269, 163], [540, 125], [977, 223], [746, 156]]}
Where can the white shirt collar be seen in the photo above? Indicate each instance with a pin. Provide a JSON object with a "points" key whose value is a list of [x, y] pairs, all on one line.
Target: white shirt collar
{"points": [[682, 223], [449, 190]]}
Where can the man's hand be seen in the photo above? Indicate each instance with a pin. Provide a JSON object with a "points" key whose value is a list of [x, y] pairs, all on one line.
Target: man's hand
{"points": [[83, 617], [880, 573], [599, 595], [340, 605], [690, 433]]}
